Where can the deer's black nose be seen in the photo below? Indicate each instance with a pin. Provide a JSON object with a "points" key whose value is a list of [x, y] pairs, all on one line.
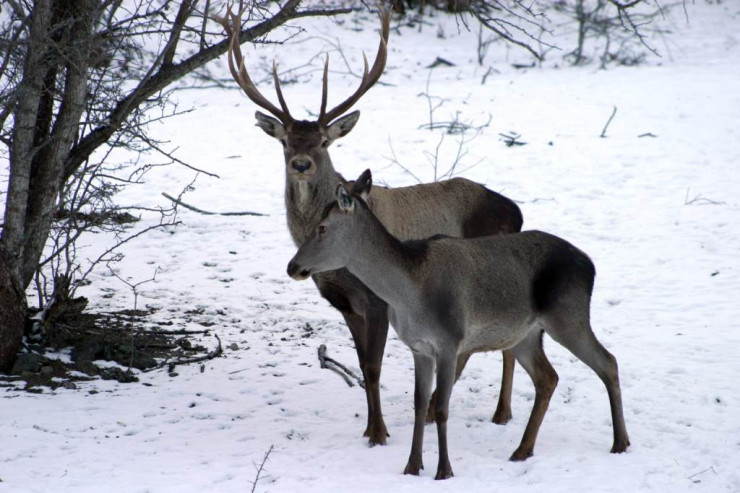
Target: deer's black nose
{"points": [[301, 165], [296, 272]]}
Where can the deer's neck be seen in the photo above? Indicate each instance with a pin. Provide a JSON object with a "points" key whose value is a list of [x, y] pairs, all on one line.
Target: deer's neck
{"points": [[390, 268], [305, 201]]}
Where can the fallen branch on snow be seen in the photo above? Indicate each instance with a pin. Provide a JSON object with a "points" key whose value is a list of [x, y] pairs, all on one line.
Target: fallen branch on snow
{"points": [[209, 213], [172, 364], [700, 200], [261, 467], [336, 366], [603, 132]]}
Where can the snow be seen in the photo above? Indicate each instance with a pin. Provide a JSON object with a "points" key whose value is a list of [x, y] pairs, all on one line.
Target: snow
{"points": [[658, 215]]}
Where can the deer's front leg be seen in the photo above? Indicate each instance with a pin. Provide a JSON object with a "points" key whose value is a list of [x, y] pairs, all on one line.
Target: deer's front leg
{"points": [[423, 375], [445, 380]]}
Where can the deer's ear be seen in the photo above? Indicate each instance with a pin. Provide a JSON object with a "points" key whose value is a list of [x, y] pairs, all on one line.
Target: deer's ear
{"points": [[344, 199], [341, 127], [271, 126], [363, 184]]}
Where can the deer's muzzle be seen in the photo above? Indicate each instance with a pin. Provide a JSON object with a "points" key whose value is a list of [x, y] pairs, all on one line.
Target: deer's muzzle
{"points": [[297, 273], [302, 166]]}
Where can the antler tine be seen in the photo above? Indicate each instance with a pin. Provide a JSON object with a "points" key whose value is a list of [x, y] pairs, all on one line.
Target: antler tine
{"points": [[324, 87], [368, 78], [241, 76], [279, 91]]}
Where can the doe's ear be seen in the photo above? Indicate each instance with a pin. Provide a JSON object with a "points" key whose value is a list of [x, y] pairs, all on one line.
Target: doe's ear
{"points": [[344, 199], [341, 127], [363, 184], [271, 126]]}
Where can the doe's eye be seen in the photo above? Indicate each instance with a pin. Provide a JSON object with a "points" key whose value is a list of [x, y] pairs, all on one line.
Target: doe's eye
{"points": [[325, 144], [322, 230]]}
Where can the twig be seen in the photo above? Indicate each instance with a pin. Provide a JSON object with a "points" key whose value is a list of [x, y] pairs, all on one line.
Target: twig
{"points": [[395, 161], [699, 200], [261, 467], [325, 361], [182, 332], [710, 468], [133, 287], [440, 61], [511, 139], [172, 364], [485, 76], [208, 213], [603, 132]]}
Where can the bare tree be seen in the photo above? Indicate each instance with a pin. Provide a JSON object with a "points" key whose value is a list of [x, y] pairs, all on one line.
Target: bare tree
{"points": [[76, 76], [526, 23]]}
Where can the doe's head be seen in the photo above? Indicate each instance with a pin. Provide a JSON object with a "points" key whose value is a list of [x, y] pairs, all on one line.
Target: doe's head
{"points": [[332, 244]]}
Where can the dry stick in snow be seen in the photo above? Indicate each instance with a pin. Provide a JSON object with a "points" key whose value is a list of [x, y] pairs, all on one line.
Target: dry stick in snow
{"points": [[325, 361], [208, 213], [261, 467], [172, 364], [603, 132], [511, 139], [700, 200], [710, 468]]}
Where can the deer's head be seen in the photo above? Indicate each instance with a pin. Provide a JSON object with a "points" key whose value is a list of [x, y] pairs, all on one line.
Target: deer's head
{"points": [[333, 241], [305, 143]]}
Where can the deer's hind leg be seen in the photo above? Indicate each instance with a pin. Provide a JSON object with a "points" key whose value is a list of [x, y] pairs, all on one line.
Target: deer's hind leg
{"points": [[531, 356], [569, 325], [502, 415]]}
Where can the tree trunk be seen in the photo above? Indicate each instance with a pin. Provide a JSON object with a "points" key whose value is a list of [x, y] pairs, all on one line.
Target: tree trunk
{"points": [[11, 318], [59, 43]]}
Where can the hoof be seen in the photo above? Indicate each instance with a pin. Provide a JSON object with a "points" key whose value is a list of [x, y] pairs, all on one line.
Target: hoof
{"points": [[620, 446], [375, 436], [445, 473], [376, 441], [501, 417], [520, 455], [413, 469]]}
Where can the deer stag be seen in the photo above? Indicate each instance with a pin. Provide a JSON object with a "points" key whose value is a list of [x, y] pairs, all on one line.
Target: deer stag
{"points": [[453, 296], [456, 207]]}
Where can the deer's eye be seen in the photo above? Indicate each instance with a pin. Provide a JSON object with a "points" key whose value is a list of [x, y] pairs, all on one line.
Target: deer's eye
{"points": [[325, 143], [283, 143], [322, 230]]}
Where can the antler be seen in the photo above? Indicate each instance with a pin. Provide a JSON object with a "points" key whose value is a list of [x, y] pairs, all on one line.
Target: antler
{"points": [[232, 25], [368, 79]]}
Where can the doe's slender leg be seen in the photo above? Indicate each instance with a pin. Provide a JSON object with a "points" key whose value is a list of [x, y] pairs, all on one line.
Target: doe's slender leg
{"points": [[445, 380], [531, 356], [423, 376], [503, 409]]}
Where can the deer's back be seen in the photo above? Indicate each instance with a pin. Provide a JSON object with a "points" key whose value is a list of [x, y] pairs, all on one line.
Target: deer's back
{"points": [[457, 207], [492, 285]]}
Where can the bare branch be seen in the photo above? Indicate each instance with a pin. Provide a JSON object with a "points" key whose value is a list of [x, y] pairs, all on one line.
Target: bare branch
{"points": [[332, 364], [208, 213], [603, 132]]}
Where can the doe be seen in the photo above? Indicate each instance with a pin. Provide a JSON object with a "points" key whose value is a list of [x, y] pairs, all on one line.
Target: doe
{"points": [[451, 296]]}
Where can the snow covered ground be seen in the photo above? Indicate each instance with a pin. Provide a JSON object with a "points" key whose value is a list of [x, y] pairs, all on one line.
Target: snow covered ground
{"points": [[658, 214]]}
